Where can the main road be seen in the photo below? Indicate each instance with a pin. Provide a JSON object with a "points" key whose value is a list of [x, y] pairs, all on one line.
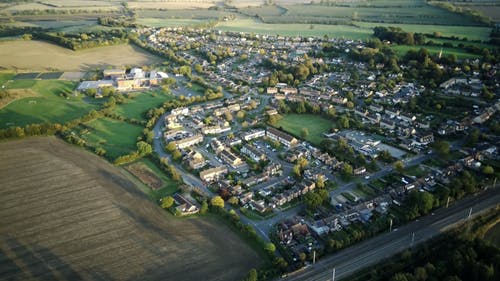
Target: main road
{"points": [[372, 251]]}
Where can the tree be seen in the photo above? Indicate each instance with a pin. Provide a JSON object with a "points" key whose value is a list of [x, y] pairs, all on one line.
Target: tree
{"points": [[313, 200], [233, 200], [320, 181], [170, 147], [204, 207], [217, 202], [270, 248], [399, 166], [167, 202], [304, 133], [347, 170], [241, 114], [488, 170], [297, 171], [176, 155], [252, 275], [442, 147], [144, 148]]}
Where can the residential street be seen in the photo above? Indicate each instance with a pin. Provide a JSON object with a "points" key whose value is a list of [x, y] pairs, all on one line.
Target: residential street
{"points": [[371, 251]]}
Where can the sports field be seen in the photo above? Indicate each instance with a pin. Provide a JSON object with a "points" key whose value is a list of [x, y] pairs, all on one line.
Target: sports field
{"points": [[116, 137], [316, 125], [136, 107], [22, 55], [69, 215], [46, 105]]}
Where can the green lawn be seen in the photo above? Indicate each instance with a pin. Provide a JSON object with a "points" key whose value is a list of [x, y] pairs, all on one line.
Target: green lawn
{"points": [[317, 125], [137, 106], [49, 106], [459, 53], [116, 137]]}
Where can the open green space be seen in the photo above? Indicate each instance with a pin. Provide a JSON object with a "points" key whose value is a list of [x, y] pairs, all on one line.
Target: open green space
{"points": [[295, 29], [459, 53], [138, 104], [316, 125], [47, 107], [4, 77], [168, 22], [470, 32], [116, 137]]}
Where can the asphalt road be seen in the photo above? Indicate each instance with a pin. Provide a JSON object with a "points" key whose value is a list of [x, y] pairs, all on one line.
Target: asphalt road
{"points": [[372, 251]]}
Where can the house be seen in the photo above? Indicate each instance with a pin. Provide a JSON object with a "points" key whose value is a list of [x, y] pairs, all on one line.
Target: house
{"points": [[212, 174], [252, 152], [272, 90], [230, 158], [254, 134], [212, 130], [189, 141], [281, 137], [184, 207], [425, 137], [113, 73], [359, 171]]}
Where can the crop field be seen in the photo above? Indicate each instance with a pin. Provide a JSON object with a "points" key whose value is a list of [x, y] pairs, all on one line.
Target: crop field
{"points": [[181, 14], [157, 22], [295, 29], [46, 106], [461, 54], [137, 106], [490, 11], [420, 13], [293, 123], [171, 5], [69, 215], [41, 56], [116, 137], [59, 5]]}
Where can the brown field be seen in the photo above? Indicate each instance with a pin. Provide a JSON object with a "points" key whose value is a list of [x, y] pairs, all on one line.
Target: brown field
{"points": [[145, 175], [68, 215], [39, 56], [14, 94]]}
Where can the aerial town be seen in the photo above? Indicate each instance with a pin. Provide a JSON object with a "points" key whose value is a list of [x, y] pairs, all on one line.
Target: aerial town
{"points": [[250, 140], [304, 195]]}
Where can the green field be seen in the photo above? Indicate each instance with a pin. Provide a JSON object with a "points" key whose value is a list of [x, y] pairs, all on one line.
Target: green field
{"points": [[461, 54], [317, 125], [295, 29], [48, 106], [159, 22], [470, 32], [136, 107], [116, 137]]}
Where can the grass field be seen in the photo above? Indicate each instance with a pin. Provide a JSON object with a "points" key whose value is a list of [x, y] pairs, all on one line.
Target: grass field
{"points": [[258, 27], [69, 215], [157, 22], [39, 56], [461, 54], [317, 125], [47, 106], [470, 32], [116, 137], [136, 108]]}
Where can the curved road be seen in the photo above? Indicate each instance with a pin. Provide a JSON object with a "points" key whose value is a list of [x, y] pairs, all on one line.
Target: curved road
{"points": [[372, 251]]}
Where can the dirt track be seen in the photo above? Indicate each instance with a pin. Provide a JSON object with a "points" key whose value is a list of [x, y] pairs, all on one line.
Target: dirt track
{"points": [[68, 215]]}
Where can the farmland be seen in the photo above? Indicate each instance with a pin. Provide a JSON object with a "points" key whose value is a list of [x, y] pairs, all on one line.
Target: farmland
{"points": [[138, 103], [293, 123], [45, 105], [459, 53], [38, 56], [116, 137], [69, 215], [295, 29]]}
